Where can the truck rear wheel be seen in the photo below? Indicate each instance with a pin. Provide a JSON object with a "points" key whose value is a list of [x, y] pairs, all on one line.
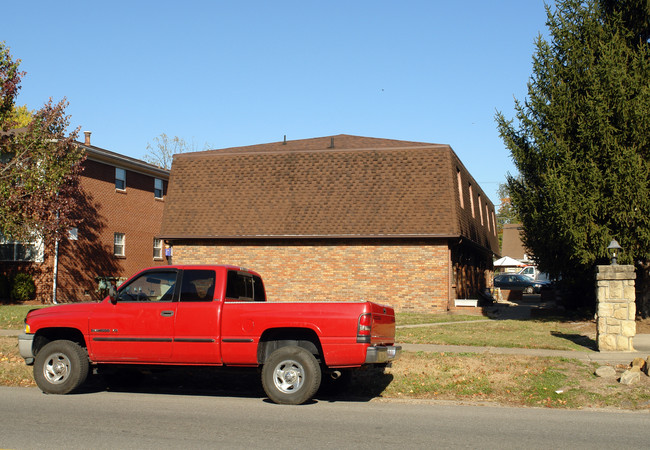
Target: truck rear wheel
{"points": [[60, 367], [291, 375]]}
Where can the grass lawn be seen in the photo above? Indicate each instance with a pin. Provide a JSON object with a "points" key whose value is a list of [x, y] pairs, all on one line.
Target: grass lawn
{"points": [[552, 333], [12, 316]]}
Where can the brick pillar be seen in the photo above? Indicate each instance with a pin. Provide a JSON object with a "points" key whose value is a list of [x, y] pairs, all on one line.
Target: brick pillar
{"points": [[616, 309]]}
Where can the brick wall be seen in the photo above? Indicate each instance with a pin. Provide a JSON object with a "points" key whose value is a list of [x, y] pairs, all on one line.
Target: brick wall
{"points": [[105, 210], [409, 277], [102, 210]]}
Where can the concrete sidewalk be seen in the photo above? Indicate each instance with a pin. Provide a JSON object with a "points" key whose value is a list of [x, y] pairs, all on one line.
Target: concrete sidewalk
{"points": [[9, 332], [641, 345]]}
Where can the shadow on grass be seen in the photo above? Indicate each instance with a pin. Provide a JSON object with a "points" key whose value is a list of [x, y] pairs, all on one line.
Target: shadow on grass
{"points": [[578, 339], [232, 382]]}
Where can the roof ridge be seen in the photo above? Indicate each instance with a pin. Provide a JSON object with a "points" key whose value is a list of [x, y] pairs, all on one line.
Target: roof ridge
{"points": [[241, 150]]}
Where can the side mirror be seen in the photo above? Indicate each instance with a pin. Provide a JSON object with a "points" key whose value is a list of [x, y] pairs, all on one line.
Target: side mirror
{"points": [[112, 294]]}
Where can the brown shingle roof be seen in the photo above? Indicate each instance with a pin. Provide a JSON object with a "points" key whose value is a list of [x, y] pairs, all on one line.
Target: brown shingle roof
{"points": [[362, 187]]}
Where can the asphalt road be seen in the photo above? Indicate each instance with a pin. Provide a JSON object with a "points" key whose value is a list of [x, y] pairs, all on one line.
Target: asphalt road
{"points": [[30, 419]]}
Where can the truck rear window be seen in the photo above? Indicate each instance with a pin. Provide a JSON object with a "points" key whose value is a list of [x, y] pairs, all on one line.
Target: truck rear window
{"points": [[244, 287]]}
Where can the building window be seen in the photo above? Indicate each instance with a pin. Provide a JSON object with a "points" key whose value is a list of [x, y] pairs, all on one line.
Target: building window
{"points": [[21, 251], [460, 188], [118, 244], [471, 199], [120, 178], [157, 248], [480, 208], [158, 188]]}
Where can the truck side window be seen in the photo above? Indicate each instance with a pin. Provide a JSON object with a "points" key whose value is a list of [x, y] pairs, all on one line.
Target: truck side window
{"points": [[258, 290], [244, 287], [149, 287], [197, 286]]}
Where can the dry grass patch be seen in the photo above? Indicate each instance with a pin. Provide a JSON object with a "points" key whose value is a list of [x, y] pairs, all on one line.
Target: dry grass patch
{"points": [[13, 371], [505, 380]]}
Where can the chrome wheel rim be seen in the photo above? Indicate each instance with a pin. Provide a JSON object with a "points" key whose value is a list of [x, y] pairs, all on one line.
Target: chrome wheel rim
{"points": [[57, 368], [288, 376]]}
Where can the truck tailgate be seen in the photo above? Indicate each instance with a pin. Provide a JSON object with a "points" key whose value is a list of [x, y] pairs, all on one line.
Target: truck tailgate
{"points": [[383, 324]]}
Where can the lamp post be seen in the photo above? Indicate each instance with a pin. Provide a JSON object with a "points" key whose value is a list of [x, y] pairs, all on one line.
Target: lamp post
{"points": [[614, 248]]}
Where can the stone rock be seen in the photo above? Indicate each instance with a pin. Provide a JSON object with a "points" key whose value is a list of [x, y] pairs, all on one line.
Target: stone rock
{"points": [[638, 363], [630, 376], [606, 372]]}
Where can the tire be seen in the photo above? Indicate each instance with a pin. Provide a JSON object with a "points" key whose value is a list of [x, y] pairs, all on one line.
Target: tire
{"points": [[61, 367], [528, 290], [291, 376]]}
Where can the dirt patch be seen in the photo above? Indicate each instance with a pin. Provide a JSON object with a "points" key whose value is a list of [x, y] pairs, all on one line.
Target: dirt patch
{"points": [[643, 326], [588, 327]]}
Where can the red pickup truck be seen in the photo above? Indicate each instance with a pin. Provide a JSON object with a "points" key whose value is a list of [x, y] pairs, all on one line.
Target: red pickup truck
{"points": [[207, 316]]}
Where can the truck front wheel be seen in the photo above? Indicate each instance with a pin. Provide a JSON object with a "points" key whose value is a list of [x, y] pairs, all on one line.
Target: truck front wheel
{"points": [[291, 375], [60, 367]]}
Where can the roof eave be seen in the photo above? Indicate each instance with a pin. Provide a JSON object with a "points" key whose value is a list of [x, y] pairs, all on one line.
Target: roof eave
{"points": [[107, 157], [171, 237]]}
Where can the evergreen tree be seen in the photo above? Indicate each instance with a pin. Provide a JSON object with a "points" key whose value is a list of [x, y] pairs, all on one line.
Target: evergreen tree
{"points": [[581, 142]]}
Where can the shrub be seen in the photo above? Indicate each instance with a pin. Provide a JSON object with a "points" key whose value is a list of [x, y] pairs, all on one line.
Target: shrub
{"points": [[23, 287]]}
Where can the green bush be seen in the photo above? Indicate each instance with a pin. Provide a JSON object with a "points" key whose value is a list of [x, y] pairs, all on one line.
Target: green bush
{"points": [[23, 287], [5, 287]]}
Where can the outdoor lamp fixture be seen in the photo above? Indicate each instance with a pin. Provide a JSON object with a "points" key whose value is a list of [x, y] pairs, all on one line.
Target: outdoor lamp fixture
{"points": [[614, 249]]}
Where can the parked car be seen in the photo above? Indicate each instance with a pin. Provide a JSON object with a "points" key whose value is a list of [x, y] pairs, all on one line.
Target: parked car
{"points": [[518, 282]]}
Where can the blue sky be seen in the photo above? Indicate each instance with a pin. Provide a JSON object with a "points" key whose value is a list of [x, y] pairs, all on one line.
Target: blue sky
{"points": [[233, 73]]}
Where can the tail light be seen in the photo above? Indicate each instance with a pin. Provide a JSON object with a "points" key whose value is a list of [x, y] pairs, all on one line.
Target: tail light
{"points": [[364, 327]]}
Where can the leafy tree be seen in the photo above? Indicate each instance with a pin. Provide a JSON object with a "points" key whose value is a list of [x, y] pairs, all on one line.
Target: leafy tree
{"points": [[162, 152], [21, 116], [39, 162], [581, 143]]}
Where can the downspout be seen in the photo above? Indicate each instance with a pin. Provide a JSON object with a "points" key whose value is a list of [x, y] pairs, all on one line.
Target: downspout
{"points": [[56, 269]]}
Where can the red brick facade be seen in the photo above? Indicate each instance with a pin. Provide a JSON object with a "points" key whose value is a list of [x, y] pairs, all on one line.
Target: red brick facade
{"points": [[103, 210], [410, 276]]}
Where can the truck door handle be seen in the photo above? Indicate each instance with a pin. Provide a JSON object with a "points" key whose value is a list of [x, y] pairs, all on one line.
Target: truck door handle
{"points": [[167, 313]]}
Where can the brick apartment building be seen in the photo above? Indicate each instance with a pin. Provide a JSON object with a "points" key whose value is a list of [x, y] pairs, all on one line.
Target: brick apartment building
{"points": [[121, 207], [340, 218]]}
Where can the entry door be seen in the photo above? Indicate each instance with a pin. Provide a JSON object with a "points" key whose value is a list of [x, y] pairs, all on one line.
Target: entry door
{"points": [[196, 335], [139, 327]]}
